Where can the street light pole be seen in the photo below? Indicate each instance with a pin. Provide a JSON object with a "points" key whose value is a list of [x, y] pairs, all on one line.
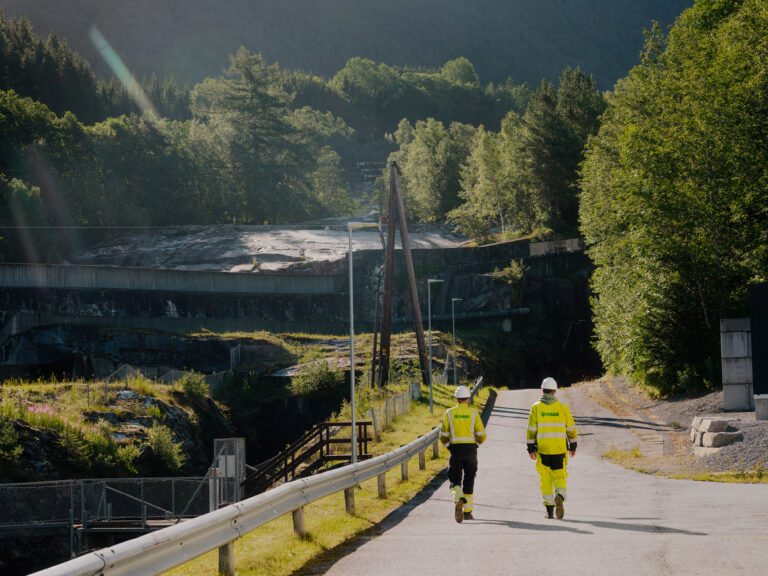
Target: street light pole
{"points": [[353, 434], [430, 281], [453, 336]]}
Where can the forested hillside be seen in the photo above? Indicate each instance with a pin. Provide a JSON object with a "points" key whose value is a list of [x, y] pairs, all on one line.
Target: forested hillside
{"points": [[675, 196], [526, 40]]}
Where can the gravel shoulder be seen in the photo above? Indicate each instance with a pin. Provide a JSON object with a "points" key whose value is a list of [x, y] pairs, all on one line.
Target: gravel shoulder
{"points": [[662, 428]]}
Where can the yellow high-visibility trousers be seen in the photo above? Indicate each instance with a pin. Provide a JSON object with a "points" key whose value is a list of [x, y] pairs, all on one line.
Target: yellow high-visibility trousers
{"points": [[552, 481]]}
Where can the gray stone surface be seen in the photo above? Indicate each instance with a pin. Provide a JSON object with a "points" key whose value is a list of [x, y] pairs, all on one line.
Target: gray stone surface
{"points": [[735, 345], [735, 325], [713, 425], [761, 408], [738, 397], [616, 521], [737, 370], [701, 451], [718, 439]]}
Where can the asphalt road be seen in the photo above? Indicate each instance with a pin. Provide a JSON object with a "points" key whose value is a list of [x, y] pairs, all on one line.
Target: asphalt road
{"points": [[617, 522]]}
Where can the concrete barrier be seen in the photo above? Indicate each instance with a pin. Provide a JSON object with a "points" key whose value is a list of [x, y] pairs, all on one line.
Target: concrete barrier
{"points": [[115, 278]]}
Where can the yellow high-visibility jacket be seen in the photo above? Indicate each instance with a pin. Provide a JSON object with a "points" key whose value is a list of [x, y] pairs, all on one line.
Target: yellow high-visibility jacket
{"points": [[548, 427], [462, 425]]}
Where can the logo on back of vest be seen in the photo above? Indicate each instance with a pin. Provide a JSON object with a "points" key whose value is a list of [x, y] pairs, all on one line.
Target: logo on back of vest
{"points": [[550, 413], [461, 415]]}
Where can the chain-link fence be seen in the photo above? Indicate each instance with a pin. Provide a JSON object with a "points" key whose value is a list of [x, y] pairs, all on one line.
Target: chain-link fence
{"points": [[392, 408], [97, 500]]}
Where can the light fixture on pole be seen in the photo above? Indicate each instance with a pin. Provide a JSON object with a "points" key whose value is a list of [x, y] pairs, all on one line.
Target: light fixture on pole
{"points": [[453, 336], [353, 434], [430, 281]]}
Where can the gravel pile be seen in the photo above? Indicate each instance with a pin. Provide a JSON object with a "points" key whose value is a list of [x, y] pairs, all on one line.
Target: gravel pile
{"points": [[751, 453], [748, 454]]}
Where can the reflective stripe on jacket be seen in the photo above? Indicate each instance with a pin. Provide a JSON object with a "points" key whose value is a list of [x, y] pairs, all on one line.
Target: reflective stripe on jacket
{"points": [[548, 427], [462, 425]]}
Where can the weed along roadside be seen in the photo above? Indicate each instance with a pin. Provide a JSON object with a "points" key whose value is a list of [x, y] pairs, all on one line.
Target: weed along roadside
{"points": [[275, 548]]}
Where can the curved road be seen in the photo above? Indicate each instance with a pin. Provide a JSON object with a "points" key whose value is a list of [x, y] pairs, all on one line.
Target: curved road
{"points": [[617, 522]]}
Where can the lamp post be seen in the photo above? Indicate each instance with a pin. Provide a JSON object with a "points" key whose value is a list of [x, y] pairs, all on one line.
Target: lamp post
{"points": [[430, 281], [453, 336], [353, 434]]}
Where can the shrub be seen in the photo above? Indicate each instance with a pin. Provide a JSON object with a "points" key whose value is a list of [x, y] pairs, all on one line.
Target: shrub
{"points": [[10, 451], [316, 375], [194, 386], [165, 450], [125, 458]]}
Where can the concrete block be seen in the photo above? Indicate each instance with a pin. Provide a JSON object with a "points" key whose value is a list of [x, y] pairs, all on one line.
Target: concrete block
{"points": [[735, 325], [737, 370], [735, 345], [696, 422], [714, 425], [700, 451], [761, 407], [737, 397], [692, 435], [718, 439]]}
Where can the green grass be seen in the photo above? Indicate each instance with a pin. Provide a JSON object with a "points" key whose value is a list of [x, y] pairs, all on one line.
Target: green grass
{"points": [[273, 548], [635, 460]]}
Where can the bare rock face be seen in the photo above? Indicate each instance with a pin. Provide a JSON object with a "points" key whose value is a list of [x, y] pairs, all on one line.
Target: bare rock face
{"points": [[309, 247]]}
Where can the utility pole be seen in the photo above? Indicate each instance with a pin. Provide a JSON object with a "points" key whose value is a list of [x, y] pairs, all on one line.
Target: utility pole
{"points": [[415, 308], [386, 309], [397, 210]]}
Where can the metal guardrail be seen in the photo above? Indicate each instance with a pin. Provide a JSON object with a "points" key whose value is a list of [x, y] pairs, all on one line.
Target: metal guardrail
{"points": [[162, 550]]}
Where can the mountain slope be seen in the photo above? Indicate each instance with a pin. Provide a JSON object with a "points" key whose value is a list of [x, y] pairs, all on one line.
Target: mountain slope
{"points": [[524, 39]]}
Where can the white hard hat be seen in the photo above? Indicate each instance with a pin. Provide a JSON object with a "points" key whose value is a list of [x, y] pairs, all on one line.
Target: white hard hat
{"points": [[461, 392], [548, 384]]}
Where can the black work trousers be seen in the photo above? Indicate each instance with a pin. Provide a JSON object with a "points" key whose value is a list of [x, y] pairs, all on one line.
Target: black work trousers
{"points": [[462, 466]]}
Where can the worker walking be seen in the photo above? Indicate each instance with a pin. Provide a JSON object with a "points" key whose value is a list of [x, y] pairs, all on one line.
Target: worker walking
{"points": [[551, 438], [461, 432]]}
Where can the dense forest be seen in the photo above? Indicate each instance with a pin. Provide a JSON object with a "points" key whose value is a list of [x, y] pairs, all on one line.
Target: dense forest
{"points": [[526, 40], [675, 196], [666, 176]]}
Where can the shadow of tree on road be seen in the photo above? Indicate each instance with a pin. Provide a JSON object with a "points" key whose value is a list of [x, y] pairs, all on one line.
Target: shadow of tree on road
{"points": [[646, 528]]}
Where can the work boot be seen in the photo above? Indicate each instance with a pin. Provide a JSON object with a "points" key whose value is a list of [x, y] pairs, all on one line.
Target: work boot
{"points": [[459, 510], [559, 509], [468, 516], [550, 511]]}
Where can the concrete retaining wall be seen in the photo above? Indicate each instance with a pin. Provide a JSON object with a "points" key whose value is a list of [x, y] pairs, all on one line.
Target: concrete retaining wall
{"points": [[108, 278]]}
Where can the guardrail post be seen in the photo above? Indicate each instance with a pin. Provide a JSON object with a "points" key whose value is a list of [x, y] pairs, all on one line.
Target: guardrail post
{"points": [[298, 523], [436, 450], [422, 460], [404, 470], [349, 500], [227, 559], [382, 481]]}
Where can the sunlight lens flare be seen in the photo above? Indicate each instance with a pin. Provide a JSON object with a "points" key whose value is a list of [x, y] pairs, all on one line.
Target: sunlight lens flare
{"points": [[121, 71]]}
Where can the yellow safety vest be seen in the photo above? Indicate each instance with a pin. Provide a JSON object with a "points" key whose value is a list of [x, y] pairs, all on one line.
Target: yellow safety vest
{"points": [[548, 427], [462, 425]]}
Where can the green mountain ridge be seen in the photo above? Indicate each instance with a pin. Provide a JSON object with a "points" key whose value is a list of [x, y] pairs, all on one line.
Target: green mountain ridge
{"points": [[522, 39]]}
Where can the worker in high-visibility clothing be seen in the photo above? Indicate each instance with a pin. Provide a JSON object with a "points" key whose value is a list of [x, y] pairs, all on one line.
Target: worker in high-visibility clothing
{"points": [[461, 432], [551, 438]]}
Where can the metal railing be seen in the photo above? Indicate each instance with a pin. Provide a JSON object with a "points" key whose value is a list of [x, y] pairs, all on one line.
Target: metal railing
{"points": [[306, 455], [162, 550], [88, 501]]}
